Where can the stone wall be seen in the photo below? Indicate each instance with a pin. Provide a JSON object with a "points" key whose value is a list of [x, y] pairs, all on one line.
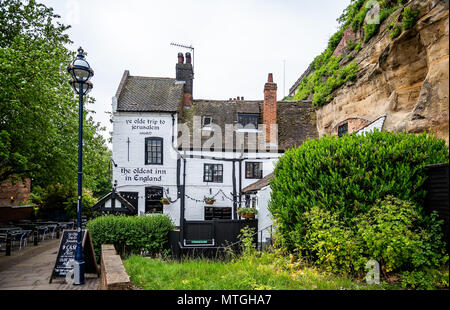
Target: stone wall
{"points": [[114, 276], [406, 79]]}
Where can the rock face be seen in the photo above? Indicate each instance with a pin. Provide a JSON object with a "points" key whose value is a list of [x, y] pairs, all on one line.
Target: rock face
{"points": [[406, 79]]}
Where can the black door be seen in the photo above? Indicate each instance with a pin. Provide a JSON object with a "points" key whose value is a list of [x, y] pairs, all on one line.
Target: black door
{"points": [[153, 197]]}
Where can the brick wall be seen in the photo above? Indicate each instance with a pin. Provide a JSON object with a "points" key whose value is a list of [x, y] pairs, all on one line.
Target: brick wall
{"points": [[348, 35], [270, 105], [19, 191]]}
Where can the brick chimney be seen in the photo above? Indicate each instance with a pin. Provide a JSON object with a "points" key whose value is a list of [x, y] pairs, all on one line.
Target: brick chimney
{"points": [[270, 105], [184, 73]]}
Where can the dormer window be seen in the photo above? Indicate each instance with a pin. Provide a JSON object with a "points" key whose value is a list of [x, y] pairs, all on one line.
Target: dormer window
{"points": [[248, 120], [207, 121]]}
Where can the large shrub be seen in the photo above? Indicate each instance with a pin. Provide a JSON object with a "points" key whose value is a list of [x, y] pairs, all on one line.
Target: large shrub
{"points": [[131, 234], [348, 175], [330, 243], [399, 237]]}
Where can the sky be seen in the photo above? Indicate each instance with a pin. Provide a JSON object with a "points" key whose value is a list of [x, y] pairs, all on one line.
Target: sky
{"points": [[236, 42]]}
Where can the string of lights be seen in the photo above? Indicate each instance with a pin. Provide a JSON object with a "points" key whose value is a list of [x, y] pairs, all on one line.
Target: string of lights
{"points": [[166, 195]]}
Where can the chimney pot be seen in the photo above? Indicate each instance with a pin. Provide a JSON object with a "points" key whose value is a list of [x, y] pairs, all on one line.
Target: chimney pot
{"points": [[242, 98], [180, 58], [270, 78], [188, 58]]}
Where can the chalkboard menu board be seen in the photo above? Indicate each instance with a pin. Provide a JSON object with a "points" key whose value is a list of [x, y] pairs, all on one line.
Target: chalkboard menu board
{"points": [[66, 252]]}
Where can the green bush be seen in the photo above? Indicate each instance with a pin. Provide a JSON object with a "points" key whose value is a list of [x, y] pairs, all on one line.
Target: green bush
{"points": [[60, 200], [426, 279], [330, 243], [396, 30], [351, 45], [131, 234], [348, 175], [409, 18], [399, 237]]}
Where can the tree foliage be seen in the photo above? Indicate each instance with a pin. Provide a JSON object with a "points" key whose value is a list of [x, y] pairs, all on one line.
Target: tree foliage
{"points": [[38, 109]]}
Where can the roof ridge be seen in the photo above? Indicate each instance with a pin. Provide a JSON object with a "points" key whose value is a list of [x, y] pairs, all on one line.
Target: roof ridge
{"points": [[151, 77]]}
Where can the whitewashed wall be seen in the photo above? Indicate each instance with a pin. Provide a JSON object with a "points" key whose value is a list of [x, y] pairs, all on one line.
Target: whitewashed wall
{"points": [[264, 216], [197, 189], [377, 124], [131, 173]]}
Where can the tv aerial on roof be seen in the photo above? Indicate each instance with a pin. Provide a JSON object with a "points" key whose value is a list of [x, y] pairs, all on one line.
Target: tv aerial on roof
{"points": [[190, 47]]}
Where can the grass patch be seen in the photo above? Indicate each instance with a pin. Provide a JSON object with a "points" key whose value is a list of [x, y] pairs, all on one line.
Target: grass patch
{"points": [[268, 271]]}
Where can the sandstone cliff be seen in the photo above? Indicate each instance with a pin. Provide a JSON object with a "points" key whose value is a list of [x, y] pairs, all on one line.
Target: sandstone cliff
{"points": [[406, 79]]}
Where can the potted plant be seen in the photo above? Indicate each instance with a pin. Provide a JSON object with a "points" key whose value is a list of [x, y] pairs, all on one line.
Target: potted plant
{"points": [[247, 213], [209, 200], [165, 201]]}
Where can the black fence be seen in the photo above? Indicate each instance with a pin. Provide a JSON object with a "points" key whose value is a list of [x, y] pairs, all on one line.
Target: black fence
{"points": [[437, 193], [209, 238]]}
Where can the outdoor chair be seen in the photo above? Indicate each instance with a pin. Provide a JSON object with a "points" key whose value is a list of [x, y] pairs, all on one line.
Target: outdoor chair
{"points": [[17, 237], [42, 230], [52, 230], [24, 239], [2, 240]]}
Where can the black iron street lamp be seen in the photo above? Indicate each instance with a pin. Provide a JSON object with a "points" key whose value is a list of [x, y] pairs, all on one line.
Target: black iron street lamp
{"points": [[81, 72]]}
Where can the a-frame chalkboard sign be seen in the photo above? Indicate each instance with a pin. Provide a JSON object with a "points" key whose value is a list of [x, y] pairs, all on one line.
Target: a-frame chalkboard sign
{"points": [[66, 253]]}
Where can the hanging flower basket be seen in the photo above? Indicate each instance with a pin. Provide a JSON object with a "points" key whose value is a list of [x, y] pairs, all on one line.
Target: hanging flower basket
{"points": [[165, 201], [209, 200], [247, 213]]}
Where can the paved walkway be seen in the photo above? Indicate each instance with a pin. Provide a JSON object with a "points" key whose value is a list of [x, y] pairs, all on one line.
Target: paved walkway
{"points": [[31, 267]]}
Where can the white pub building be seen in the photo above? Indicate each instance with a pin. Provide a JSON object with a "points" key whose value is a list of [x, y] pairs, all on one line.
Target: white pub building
{"points": [[192, 158]]}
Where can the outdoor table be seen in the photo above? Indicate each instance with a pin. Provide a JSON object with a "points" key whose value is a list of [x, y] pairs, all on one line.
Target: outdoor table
{"points": [[9, 229]]}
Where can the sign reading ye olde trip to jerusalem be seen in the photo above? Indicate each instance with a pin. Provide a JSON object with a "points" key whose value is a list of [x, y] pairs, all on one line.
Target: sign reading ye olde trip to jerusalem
{"points": [[136, 129]]}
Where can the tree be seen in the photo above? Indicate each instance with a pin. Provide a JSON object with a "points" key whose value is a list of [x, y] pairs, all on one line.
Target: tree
{"points": [[38, 108]]}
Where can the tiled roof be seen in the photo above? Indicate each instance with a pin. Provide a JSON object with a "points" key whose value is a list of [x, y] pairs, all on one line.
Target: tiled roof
{"points": [[137, 93], [296, 120], [259, 184]]}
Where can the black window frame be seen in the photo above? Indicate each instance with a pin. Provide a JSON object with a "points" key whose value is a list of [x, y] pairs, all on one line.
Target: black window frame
{"points": [[203, 121], [212, 177], [245, 118], [147, 162], [252, 164], [342, 129], [217, 213], [154, 204]]}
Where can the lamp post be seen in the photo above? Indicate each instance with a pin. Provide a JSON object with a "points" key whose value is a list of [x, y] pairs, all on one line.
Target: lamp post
{"points": [[81, 72]]}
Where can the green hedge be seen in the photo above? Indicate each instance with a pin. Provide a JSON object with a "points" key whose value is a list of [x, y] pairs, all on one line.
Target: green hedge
{"points": [[131, 234], [347, 177]]}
